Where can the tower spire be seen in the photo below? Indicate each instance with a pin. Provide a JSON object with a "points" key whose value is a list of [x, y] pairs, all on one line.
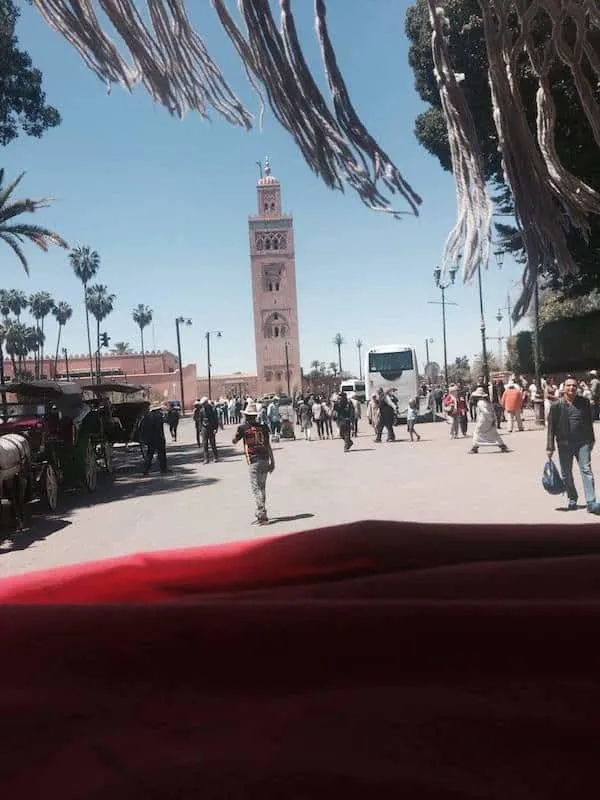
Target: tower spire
{"points": [[267, 166]]}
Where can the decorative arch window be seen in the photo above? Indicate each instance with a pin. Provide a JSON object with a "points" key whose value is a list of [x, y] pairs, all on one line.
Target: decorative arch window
{"points": [[268, 243], [278, 376], [268, 376], [276, 331], [270, 286], [272, 206]]}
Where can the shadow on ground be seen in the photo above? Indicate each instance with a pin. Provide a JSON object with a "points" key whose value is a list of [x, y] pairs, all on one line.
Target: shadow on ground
{"points": [[38, 529]]}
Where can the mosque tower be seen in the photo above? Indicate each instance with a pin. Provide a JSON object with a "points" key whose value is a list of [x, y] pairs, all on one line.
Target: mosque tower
{"points": [[274, 295]]}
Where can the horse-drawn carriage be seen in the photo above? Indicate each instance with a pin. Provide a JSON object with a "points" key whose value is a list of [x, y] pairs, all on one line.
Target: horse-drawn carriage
{"points": [[120, 406], [62, 433]]}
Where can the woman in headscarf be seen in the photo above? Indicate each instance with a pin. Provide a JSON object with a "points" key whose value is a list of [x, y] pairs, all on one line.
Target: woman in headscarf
{"points": [[486, 432]]}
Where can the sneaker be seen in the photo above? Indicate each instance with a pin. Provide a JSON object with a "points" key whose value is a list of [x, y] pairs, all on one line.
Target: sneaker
{"points": [[593, 508], [261, 521], [572, 505], [503, 448], [474, 451]]}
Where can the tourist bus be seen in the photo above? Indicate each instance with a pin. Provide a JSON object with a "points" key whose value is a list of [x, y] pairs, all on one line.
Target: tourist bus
{"points": [[354, 389], [393, 366]]}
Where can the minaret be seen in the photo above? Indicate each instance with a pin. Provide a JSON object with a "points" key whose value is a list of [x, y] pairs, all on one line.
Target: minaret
{"points": [[274, 291]]}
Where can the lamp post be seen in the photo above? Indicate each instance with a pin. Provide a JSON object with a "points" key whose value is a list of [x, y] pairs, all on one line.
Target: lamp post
{"points": [[181, 321], [66, 355], [538, 404], [427, 343], [287, 368], [437, 274], [218, 334]]}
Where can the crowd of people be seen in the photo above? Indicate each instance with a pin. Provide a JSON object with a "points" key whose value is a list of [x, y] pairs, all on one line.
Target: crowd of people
{"points": [[570, 407]]}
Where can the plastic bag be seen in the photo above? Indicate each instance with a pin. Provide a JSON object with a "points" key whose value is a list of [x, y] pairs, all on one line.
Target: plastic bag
{"points": [[551, 479]]}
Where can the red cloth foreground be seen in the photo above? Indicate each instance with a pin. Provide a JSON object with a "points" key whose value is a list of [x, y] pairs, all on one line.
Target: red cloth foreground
{"points": [[375, 660]]}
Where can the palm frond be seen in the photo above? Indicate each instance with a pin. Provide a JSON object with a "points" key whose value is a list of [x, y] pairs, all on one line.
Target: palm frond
{"points": [[10, 241], [42, 237], [8, 190], [21, 207]]}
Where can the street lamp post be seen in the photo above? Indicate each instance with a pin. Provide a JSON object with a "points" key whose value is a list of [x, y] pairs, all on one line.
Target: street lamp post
{"points": [[66, 355], [181, 321], [538, 404], [218, 334], [287, 368], [437, 274], [427, 343]]}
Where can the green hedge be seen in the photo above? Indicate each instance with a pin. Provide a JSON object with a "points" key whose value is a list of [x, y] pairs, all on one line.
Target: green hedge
{"points": [[571, 345]]}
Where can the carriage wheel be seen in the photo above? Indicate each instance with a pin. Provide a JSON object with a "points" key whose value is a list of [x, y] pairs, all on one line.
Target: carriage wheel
{"points": [[49, 493], [90, 467], [108, 459]]}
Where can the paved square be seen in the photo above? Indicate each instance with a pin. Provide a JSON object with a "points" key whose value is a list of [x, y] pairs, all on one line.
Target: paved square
{"points": [[314, 484]]}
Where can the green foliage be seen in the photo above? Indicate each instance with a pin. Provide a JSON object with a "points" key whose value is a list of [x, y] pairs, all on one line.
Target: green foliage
{"points": [[557, 305], [519, 357], [12, 231], [460, 370], [571, 344], [23, 106], [574, 138]]}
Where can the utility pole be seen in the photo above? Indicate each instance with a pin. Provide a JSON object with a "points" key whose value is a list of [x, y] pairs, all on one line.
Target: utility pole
{"points": [[181, 321], [287, 368], [437, 273]]}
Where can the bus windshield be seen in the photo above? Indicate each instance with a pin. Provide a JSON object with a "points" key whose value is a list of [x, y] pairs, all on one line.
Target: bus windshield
{"points": [[392, 364]]}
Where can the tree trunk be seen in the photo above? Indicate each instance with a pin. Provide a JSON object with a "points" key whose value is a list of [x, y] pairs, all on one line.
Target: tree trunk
{"points": [[98, 379], [42, 351], [339, 347], [14, 366], [57, 349], [143, 354], [87, 325]]}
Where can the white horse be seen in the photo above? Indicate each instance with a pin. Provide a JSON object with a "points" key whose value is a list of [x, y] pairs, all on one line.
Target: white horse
{"points": [[15, 474]]}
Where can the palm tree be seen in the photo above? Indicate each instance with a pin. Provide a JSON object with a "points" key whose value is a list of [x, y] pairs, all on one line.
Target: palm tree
{"points": [[100, 304], [334, 369], [338, 341], [359, 346], [17, 301], [62, 313], [34, 342], [142, 316], [41, 304], [14, 234], [16, 344], [85, 263], [121, 349]]}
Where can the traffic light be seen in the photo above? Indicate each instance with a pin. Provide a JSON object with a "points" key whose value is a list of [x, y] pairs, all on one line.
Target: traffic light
{"points": [[104, 339]]}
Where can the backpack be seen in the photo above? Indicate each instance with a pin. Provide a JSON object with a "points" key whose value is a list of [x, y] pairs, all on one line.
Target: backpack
{"points": [[449, 405], [551, 479]]}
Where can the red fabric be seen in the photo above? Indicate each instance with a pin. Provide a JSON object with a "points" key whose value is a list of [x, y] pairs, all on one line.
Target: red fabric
{"points": [[373, 660]]}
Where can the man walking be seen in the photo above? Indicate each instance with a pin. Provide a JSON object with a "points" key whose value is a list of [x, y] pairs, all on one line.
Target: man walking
{"points": [[512, 403], [387, 414], [151, 432], [274, 419], [207, 423], [259, 455], [570, 424], [344, 413]]}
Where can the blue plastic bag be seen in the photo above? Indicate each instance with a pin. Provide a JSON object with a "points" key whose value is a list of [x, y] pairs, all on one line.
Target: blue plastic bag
{"points": [[552, 479]]}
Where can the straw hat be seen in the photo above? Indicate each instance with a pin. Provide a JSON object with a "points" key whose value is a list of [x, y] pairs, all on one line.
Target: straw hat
{"points": [[203, 400], [479, 392], [252, 410]]}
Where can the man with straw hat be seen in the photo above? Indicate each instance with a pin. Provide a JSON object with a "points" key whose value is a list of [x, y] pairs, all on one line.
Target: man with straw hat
{"points": [[259, 455]]}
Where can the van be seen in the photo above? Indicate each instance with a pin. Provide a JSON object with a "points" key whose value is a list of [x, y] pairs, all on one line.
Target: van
{"points": [[354, 389]]}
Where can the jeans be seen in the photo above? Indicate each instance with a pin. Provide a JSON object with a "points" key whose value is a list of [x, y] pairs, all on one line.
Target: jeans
{"points": [[275, 425], [344, 428], [583, 454], [258, 483], [208, 438]]}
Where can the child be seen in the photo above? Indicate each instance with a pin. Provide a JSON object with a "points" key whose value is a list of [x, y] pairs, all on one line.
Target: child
{"points": [[411, 418], [259, 455]]}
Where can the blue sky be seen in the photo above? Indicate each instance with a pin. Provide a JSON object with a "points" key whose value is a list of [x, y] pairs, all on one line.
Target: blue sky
{"points": [[165, 203]]}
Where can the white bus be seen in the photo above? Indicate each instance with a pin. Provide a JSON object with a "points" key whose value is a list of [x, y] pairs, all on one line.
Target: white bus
{"points": [[393, 366], [354, 389]]}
